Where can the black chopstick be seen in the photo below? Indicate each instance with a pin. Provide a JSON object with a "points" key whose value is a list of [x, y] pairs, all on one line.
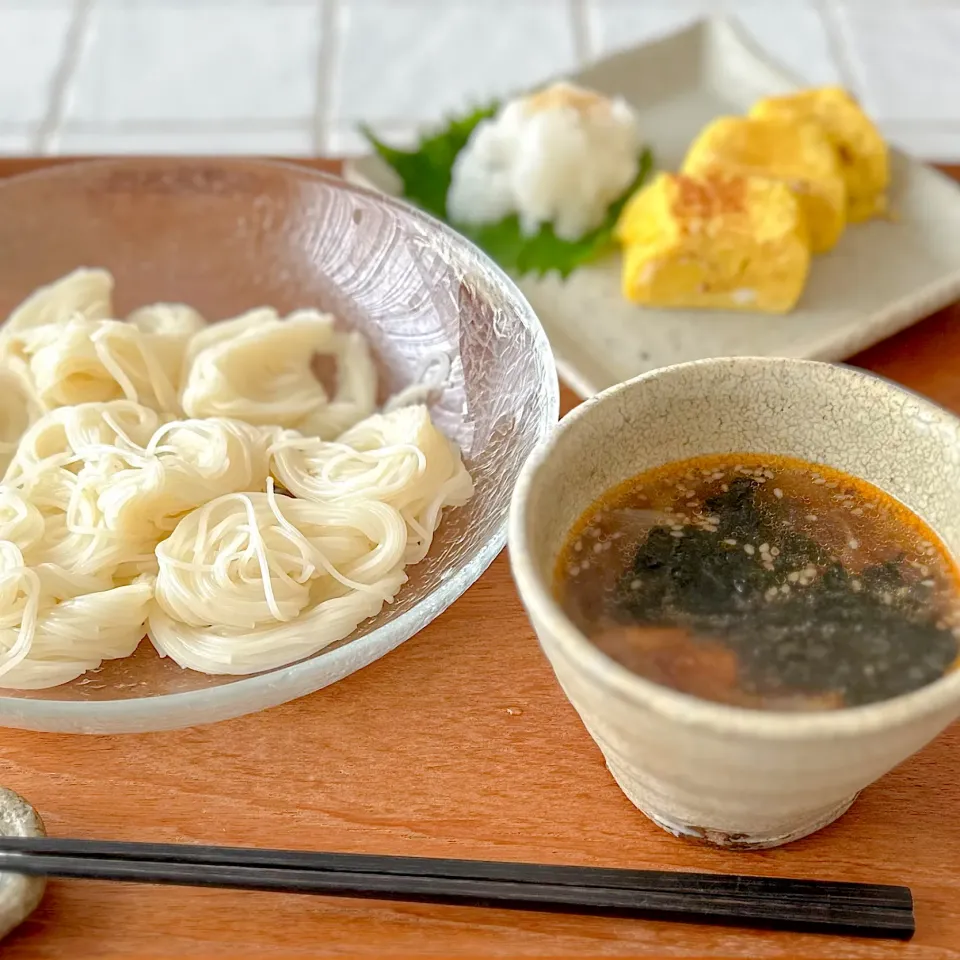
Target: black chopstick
{"points": [[870, 910], [672, 881]]}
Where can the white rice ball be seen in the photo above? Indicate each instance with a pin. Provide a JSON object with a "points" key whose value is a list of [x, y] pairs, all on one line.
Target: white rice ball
{"points": [[560, 156]]}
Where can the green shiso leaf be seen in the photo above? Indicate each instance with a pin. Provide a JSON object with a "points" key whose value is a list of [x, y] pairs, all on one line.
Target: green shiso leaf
{"points": [[426, 170], [425, 173]]}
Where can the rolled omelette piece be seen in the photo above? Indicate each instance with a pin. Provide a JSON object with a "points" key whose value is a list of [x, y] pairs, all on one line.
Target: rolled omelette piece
{"points": [[797, 154], [863, 154], [721, 243]]}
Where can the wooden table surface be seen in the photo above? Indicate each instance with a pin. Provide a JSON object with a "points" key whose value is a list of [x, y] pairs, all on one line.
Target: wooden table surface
{"points": [[458, 744]]}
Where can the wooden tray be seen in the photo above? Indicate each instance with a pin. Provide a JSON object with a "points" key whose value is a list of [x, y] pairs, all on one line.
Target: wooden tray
{"points": [[458, 744]]}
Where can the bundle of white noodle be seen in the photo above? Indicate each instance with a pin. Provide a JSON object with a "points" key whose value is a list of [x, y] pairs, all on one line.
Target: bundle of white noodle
{"points": [[74, 352], [169, 328], [21, 523], [69, 437], [84, 294], [62, 465], [83, 361], [254, 581], [76, 534], [399, 458], [19, 407], [51, 631], [259, 368], [111, 482], [185, 464]]}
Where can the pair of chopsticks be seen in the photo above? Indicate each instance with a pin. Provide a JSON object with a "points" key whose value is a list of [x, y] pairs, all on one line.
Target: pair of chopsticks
{"points": [[855, 909]]}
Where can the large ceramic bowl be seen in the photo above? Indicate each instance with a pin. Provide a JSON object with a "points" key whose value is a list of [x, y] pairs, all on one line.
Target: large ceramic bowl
{"points": [[226, 236], [735, 777]]}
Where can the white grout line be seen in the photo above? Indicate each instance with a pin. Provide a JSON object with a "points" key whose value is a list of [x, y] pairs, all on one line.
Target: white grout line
{"points": [[167, 125], [77, 32], [583, 39], [839, 45], [588, 18], [333, 14]]}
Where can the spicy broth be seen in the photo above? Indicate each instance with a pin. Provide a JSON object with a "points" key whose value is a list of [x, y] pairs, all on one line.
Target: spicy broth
{"points": [[763, 582]]}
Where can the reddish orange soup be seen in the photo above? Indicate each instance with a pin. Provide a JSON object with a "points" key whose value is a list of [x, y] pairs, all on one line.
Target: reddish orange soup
{"points": [[763, 582]]}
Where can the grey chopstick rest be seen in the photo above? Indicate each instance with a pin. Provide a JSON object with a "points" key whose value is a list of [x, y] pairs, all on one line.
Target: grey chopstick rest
{"points": [[19, 895]]}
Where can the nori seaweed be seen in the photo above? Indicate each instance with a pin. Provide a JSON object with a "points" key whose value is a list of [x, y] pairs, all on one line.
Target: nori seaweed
{"points": [[867, 644]]}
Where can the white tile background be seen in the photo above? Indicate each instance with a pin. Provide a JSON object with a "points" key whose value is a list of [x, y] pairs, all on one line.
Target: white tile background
{"points": [[296, 76]]}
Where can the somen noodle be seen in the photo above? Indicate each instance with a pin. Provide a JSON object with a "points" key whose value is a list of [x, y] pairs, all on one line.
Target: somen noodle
{"points": [[198, 484]]}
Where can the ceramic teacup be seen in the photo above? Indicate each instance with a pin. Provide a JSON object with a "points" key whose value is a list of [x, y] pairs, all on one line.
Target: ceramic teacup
{"points": [[733, 776]]}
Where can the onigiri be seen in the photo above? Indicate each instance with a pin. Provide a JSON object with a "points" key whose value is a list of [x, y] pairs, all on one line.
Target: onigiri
{"points": [[561, 156]]}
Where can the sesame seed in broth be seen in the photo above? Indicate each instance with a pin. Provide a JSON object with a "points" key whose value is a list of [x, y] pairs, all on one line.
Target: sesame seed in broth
{"points": [[867, 549]]}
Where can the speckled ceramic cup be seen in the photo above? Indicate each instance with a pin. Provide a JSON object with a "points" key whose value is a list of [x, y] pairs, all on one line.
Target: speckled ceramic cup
{"points": [[731, 776]]}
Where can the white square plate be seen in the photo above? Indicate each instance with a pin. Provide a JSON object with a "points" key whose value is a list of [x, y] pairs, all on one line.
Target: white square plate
{"points": [[881, 277]]}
